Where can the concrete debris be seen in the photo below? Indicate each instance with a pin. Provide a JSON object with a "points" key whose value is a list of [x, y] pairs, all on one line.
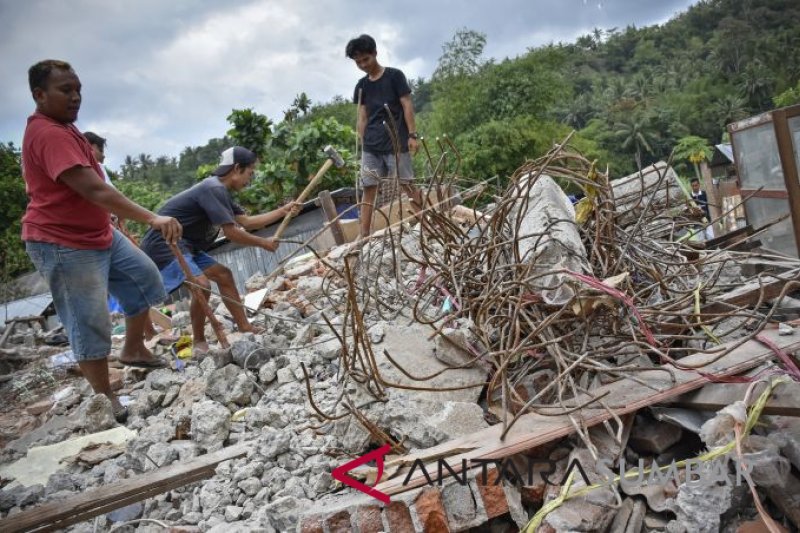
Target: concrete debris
{"points": [[698, 508], [211, 424], [551, 241], [97, 413], [418, 350]]}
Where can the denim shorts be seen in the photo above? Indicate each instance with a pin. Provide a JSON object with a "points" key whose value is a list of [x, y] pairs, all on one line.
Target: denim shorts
{"points": [[172, 275], [80, 281], [375, 167]]}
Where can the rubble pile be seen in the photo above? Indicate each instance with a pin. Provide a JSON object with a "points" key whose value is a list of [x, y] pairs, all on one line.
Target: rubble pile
{"points": [[437, 332]]}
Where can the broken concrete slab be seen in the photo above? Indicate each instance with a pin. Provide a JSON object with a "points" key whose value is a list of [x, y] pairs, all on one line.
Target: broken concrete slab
{"points": [[549, 239], [42, 461], [410, 347]]}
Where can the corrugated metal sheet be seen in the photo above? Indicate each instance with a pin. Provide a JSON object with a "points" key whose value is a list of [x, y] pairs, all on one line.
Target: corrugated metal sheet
{"points": [[244, 262], [31, 306]]}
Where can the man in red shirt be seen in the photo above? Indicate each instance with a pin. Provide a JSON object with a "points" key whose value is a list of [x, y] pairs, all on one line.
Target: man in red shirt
{"points": [[68, 234]]}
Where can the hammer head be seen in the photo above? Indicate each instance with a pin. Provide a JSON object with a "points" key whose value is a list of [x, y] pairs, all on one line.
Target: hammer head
{"points": [[334, 156]]}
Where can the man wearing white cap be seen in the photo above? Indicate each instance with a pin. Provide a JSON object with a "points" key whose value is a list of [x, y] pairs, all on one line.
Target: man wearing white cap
{"points": [[203, 210]]}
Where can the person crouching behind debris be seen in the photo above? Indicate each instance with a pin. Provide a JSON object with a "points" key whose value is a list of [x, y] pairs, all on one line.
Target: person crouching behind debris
{"points": [[69, 238], [202, 210]]}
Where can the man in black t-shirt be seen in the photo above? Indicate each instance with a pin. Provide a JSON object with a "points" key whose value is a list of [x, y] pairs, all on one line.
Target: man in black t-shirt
{"points": [[384, 91], [203, 210]]}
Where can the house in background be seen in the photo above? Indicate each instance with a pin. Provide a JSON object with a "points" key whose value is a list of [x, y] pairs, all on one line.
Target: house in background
{"points": [[721, 184], [766, 149]]}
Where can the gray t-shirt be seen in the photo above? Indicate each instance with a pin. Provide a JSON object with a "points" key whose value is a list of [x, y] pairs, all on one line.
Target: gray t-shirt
{"points": [[201, 210]]}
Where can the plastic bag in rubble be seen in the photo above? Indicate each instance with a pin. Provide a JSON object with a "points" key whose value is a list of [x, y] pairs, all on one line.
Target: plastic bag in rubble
{"points": [[719, 430], [767, 467]]}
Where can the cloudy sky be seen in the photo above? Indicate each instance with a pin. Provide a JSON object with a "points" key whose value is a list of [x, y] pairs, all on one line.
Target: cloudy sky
{"points": [[161, 75]]}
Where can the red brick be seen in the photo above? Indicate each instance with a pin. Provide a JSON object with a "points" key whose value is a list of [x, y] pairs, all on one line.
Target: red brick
{"points": [[311, 525], [533, 494], [494, 498], [431, 512], [339, 522], [368, 519], [399, 518]]}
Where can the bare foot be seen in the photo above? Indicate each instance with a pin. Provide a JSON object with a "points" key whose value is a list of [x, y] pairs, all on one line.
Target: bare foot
{"points": [[200, 347], [250, 328]]}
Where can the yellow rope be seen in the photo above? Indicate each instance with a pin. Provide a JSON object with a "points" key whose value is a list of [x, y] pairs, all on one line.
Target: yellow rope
{"points": [[564, 495], [706, 329]]}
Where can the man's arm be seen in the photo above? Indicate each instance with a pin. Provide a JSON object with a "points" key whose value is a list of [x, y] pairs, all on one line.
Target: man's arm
{"points": [[83, 180], [408, 115], [240, 236], [265, 219]]}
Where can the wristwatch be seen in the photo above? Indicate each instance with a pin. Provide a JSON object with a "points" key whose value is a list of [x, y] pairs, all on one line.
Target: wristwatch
{"points": [[413, 136]]}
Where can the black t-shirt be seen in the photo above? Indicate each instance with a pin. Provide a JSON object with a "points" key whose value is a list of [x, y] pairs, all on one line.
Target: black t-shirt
{"points": [[201, 210], [374, 94]]}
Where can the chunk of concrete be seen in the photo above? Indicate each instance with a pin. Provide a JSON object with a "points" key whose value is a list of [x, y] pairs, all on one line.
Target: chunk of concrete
{"points": [[42, 461], [548, 238], [211, 424]]}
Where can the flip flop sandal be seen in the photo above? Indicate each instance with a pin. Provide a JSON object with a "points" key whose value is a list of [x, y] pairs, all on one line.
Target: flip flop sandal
{"points": [[156, 363]]}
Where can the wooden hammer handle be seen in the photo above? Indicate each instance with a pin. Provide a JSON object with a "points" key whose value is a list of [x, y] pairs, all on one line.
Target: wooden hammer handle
{"points": [[197, 292], [303, 195]]}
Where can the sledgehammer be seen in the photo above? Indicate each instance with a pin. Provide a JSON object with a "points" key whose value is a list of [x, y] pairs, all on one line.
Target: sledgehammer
{"points": [[333, 159]]}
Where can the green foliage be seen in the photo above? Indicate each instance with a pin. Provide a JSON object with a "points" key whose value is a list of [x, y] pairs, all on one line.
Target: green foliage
{"points": [[339, 108], [13, 258], [461, 56], [149, 194], [788, 97], [250, 129], [293, 157], [499, 147]]}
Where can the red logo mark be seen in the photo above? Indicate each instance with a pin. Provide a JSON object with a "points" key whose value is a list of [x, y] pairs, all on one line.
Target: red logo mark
{"points": [[340, 473]]}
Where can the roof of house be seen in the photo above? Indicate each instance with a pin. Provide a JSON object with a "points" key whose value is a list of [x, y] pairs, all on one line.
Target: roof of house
{"points": [[723, 155]]}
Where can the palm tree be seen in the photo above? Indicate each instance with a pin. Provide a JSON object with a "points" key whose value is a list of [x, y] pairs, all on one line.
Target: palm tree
{"points": [[730, 108], [302, 103], [633, 133]]}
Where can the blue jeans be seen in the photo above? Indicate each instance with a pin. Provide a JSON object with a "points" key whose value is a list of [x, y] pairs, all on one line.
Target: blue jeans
{"points": [[172, 275], [80, 281]]}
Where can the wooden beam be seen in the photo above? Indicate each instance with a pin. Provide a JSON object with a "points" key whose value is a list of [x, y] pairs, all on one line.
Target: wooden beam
{"points": [[714, 396], [163, 321], [771, 285], [329, 208], [624, 396], [59, 514]]}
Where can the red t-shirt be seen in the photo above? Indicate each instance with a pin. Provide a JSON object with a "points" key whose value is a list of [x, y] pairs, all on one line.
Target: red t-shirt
{"points": [[57, 214]]}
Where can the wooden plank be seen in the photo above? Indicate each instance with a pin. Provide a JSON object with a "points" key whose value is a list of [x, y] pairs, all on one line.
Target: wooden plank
{"points": [[714, 396], [748, 294], [58, 514], [624, 396], [329, 208], [163, 321]]}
